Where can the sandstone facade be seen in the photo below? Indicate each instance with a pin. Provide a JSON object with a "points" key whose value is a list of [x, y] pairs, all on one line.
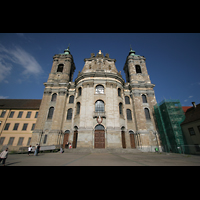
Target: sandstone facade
{"points": [[98, 109]]}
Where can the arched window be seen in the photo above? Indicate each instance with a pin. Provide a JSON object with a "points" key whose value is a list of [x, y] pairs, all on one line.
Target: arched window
{"points": [[144, 98], [99, 127], [147, 114], [50, 114], [127, 100], [138, 69], [99, 106], [120, 109], [128, 114], [99, 89], [79, 91], [78, 107], [71, 99], [60, 68], [119, 92], [69, 114], [131, 132], [67, 131], [54, 96]]}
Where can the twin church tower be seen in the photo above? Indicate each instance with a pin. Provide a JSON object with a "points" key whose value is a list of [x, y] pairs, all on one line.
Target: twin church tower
{"points": [[99, 109]]}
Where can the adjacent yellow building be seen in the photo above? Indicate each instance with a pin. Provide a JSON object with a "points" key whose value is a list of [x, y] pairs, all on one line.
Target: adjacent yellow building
{"points": [[17, 122]]}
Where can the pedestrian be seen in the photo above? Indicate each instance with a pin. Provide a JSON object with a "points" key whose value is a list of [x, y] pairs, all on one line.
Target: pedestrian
{"points": [[29, 150], [67, 145], [35, 154], [61, 150], [70, 146], [4, 156], [38, 148]]}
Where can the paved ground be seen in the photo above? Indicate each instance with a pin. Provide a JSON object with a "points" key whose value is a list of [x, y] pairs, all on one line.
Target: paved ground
{"points": [[103, 159]]}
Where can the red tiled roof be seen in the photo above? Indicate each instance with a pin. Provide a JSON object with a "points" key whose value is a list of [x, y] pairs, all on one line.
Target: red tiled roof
{"points": [[33, 104], [185, 108], [192, 114]]}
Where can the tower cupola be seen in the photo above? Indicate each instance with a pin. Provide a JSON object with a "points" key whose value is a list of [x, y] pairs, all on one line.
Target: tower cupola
{"points": [[131, 52], [67, 51]]}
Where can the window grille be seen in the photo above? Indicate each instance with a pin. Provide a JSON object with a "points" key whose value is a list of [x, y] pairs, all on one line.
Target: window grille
{"points": [[99, 89], [129, 115], [69, 114], [99, 106]]}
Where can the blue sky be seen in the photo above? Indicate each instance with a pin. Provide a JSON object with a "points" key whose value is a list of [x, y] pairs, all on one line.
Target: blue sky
{"points": [[172, 60]]}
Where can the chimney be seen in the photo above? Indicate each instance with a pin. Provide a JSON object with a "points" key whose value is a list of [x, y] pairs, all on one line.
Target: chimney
{"points": [[194, 105]]}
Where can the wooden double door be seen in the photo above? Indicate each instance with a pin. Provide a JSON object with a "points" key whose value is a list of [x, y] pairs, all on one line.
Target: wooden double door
{"points": [[132, 141], [123, 140], [99, 139], [65, 140], [75, 138]]}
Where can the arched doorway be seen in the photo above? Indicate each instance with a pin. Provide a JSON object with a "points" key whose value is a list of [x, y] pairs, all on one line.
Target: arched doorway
{"points": [[75, 138], [132, 139], [65, 140], [123, 137], [99, 137]]}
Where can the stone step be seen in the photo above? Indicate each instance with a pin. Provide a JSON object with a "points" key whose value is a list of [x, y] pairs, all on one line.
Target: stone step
{"points": [[88, 150]]}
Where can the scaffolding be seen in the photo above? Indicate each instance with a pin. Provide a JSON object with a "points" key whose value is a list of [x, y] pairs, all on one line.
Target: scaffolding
{"points": [[169, 115]]}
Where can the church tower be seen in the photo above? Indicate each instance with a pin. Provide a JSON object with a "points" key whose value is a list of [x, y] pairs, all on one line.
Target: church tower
{"points": [[48, 129], [143, 99], [98, 109]]}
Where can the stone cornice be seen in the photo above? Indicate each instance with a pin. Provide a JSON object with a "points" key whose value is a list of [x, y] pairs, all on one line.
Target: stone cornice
{"points": [[142, 85], [99, 73]]}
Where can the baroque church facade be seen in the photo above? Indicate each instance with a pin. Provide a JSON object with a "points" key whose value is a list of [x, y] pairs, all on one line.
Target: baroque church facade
{"points": [[99, 109]]}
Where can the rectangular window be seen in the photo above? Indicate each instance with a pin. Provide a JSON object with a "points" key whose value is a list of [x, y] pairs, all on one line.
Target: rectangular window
{"points": [[10, 142], [45, 139], [2, 140], [191, 131], [7, 126], [197, 147], [11, 114], [29, 141], [36, 114], [15, 126], [20, 114], [198, 128], [20, 141], [33, 127], [28, 114], [3, 114], [24, 127]]}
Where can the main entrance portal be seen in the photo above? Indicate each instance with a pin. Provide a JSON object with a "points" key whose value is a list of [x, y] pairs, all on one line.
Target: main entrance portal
{"points": [[99, 137]]}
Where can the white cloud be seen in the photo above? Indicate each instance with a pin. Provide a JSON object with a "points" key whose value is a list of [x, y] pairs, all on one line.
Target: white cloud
{"points": [[5, 69], [190, 96], [27, 61], [4, 97], [185, 100], [17, 55], [20, 34]]}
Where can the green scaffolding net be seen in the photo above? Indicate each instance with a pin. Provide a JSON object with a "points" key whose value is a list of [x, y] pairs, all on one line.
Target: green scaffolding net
{"points": [[169, 115]]}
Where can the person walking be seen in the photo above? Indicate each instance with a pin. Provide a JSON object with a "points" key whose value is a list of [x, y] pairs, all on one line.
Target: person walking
{"points": [[4, 156], [36, 150], [29, 150]]}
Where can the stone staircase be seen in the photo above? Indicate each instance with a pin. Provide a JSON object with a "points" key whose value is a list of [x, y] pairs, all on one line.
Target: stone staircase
{"points": [[88, 150]]}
